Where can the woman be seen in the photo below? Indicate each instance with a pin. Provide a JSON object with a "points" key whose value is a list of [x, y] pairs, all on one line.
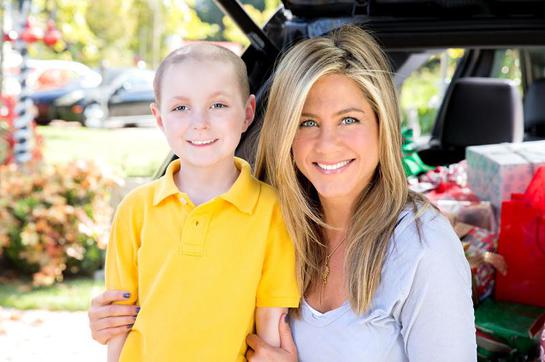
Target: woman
{"points": [[383, 275]]}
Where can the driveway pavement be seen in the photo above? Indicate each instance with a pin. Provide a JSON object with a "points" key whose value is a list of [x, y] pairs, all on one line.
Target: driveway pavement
{"points": [[46, 336]]}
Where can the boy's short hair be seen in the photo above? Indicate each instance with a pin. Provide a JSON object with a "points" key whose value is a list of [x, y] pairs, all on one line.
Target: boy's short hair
{"points": [[202, 52]]}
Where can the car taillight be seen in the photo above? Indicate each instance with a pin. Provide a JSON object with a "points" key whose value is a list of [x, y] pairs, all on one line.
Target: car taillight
{"points": [[77, 108]]}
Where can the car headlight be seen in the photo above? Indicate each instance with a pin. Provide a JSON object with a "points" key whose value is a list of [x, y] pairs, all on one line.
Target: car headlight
{"points": [[70, 98]]}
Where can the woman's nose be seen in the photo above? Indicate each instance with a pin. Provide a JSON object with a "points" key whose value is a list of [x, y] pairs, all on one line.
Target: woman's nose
{"points": [[327, 139]]}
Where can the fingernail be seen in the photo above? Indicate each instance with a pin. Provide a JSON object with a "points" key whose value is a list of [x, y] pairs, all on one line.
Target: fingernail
{"points": [[130, 326], [127, 295], [137, 309]]}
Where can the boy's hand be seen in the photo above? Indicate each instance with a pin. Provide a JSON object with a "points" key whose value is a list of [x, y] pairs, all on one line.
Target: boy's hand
{"points": [[106, 319], [260, 351]]}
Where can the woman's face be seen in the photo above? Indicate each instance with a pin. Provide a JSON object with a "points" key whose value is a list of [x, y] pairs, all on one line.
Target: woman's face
{"points": [[336, 145]]}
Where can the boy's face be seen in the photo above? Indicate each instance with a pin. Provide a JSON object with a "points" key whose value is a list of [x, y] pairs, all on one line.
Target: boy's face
{"points": [[202, 112]]}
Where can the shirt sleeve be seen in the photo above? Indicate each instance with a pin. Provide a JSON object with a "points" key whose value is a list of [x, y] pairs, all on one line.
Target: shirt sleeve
{"points": [[437, 317], [121, 270], [278, 284]]}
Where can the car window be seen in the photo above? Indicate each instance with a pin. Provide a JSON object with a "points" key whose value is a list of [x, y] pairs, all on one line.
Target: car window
{"points": [[507, 66], [422, 91]]}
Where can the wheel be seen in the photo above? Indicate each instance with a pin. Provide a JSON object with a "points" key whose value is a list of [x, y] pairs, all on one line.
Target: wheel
{"points": [[93, 116]]}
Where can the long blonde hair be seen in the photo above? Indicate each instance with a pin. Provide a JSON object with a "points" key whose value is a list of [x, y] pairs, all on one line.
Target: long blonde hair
{"points": [[354, 53]]}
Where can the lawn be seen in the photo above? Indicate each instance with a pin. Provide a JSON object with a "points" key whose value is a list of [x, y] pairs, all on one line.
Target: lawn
{"points": [[71, 295], [132, 152]]}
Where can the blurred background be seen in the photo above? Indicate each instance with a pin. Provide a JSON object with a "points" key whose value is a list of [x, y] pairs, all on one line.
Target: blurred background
{"points": [[76, 134]]}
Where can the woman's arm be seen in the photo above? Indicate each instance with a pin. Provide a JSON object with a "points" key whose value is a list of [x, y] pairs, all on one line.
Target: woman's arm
{"points": [[437, 317], [107, 320], [261, 351]]}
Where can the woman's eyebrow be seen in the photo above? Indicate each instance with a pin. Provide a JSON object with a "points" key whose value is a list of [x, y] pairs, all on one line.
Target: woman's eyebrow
{"points": [[349, 109], [342, 111]]}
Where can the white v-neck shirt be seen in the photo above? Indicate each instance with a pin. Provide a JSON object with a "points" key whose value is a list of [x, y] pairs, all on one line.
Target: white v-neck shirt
{"points": [[422, 310]]}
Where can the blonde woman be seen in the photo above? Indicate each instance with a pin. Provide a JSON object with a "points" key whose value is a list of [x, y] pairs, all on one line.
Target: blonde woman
{"points": [[383, 275]]}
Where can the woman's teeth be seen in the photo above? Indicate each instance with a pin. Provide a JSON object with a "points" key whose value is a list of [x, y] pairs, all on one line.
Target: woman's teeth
{"points": [[334, 166]]}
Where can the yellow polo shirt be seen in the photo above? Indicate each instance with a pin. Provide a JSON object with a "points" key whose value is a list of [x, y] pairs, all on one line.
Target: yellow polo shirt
{"points": [[198, 272]]}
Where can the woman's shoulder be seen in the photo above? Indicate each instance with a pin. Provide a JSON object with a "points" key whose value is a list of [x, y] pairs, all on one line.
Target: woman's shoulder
{"points": [[424, 229], [424, 246]]}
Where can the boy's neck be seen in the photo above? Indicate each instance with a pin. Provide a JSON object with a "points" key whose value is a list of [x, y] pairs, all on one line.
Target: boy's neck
{"points": [[204, 183]]}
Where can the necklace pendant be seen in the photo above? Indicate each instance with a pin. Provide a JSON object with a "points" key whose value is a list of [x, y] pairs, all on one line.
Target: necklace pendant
{"points": [[325, 274]]}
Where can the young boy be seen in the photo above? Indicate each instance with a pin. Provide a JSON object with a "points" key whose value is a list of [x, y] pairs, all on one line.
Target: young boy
{"points": [[203, 250]]}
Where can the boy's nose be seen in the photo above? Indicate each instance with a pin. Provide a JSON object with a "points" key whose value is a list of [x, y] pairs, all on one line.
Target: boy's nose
{"points": [[200, 121]]}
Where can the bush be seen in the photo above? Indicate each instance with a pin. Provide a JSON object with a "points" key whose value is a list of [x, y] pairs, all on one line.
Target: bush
{"points": [[54, 220]]}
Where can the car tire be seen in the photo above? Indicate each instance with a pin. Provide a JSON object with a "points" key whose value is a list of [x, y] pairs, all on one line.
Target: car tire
{"points": [[93, 116]]}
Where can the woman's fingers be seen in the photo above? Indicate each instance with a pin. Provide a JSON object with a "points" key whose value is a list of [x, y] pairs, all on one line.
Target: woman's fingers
{"points": [[114, 322], [110, 296], [112, 310], [103, 336]]}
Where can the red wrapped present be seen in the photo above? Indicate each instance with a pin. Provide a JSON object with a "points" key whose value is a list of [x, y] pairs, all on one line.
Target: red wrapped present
{"points": [[480, 249], [522, 243]]}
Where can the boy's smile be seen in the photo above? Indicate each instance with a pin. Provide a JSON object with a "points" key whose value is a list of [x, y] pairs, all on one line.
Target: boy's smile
{"points": [[203, 113]]}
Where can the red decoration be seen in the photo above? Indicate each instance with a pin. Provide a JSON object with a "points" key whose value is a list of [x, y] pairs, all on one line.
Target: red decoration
{"points": [[52, 34], [30, 33], [10, 36]]}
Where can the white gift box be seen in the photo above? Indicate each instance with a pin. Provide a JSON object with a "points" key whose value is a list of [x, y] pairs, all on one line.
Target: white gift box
{"points": [[494, 172]]}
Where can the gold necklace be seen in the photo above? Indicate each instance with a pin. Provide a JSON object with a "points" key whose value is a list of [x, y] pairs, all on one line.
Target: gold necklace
{"points": [[325, 271]]}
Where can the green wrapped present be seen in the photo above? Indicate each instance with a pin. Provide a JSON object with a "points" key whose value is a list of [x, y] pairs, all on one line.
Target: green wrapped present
{"points": [[412, 164], [516, 325]]}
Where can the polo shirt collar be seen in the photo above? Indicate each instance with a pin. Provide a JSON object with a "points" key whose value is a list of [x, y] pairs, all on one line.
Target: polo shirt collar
{"points": [[245, 191], [243, 194], [166, 186]]}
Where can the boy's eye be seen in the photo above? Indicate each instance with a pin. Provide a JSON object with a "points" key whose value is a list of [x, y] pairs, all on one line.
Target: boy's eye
{"points": [[180, 108], [218, 106], [309, 123], [349, 120]]}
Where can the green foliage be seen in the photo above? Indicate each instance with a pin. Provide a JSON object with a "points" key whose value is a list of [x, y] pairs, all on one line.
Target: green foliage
{"points": [[54, 220], [71, 295], [134, 152], [119, 32]]}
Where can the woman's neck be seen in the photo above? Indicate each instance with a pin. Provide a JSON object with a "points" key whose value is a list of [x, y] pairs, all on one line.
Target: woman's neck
{"points": [[337, 214]]}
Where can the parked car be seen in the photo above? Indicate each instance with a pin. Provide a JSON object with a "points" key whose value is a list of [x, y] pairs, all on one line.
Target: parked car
{"points": [[122, 99], [49, 80]]}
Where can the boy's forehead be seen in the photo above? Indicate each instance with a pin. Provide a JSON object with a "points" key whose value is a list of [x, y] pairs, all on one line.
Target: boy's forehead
{"points": [[214, 74], [202, 66]]}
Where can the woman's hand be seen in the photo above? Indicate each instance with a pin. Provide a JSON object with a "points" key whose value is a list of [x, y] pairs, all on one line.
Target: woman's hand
{"points": [[260, 351], [106, 319]]}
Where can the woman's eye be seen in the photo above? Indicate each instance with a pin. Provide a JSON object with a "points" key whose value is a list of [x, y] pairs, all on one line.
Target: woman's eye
{"points": [[349, 120], [180, 108], [309, 123], [218, 106]]}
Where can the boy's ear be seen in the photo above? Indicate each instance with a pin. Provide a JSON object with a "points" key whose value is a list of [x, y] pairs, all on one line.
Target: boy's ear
{"points": [[156, 114], [249, 112]]}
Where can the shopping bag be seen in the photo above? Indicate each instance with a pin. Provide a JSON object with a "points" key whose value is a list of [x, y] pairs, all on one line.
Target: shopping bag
{"points": [[522, 243]]}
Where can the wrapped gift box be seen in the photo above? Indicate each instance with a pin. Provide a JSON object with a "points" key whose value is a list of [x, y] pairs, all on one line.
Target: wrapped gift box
{"points": [[494, 172]]}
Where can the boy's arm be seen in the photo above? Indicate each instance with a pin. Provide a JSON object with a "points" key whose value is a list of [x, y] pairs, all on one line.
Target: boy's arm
{"points": [[266, 320], [114, 347]]}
